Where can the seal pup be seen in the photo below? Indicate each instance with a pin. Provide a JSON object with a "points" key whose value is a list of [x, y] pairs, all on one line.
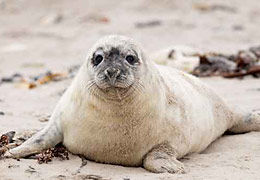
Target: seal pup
{"points": [[123, 109]]}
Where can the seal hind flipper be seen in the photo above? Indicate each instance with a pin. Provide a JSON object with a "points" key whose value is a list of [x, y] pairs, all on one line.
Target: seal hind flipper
{"points": [[246, 122]]}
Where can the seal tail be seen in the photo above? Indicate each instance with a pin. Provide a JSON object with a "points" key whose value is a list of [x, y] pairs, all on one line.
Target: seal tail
{"points": [[246, 122], [46, 138]]}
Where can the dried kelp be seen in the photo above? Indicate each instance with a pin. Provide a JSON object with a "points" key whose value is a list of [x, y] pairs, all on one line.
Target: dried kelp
{"points": [[43, 78], [5, 139], [9, 141], [246, 62], [58, 151], [38, 80], [213, 65]]}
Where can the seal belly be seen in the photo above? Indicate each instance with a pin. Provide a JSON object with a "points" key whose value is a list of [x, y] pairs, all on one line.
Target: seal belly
{"points": [[107, 146], [118, 142]]}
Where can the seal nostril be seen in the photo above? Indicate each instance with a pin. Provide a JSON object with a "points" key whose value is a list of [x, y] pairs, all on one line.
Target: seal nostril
{"points": [[112, 73]]}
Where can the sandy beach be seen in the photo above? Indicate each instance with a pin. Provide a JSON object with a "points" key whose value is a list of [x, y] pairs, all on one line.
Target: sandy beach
{"points": [[39, 36]]}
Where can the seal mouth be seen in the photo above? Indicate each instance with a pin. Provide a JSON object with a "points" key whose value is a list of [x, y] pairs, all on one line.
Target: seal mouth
{"points": [[118, 83], [114, 87], [115, 92]]}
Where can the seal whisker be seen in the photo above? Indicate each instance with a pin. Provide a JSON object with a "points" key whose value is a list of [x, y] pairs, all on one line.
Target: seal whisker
{"points": [[90, 84], [118, 94]]}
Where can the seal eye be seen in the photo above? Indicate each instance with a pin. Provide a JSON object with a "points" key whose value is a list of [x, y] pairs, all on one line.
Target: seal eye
{"points": [[98, 59], [131, 59]]}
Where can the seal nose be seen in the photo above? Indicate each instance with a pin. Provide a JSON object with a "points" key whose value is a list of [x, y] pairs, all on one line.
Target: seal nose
{"points": [[112, 73]]}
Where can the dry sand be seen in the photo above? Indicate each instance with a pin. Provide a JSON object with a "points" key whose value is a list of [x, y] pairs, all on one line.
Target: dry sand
{"points": [[41, 35]]}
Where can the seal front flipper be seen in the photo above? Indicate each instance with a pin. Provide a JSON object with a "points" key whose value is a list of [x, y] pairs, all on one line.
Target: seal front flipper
{"points": [[50, 136], [161, 159]]}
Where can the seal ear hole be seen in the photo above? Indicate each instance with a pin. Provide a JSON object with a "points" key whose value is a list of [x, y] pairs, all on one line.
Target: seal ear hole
{"points": [[97, 60], [131, 59]]}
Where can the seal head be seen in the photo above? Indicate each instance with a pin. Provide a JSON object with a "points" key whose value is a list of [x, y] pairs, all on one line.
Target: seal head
{"points": [[114, 62]]}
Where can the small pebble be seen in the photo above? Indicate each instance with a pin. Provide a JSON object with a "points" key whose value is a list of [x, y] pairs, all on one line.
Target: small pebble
{"points": [[151, 23], [237, 27], [7, 79]]}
